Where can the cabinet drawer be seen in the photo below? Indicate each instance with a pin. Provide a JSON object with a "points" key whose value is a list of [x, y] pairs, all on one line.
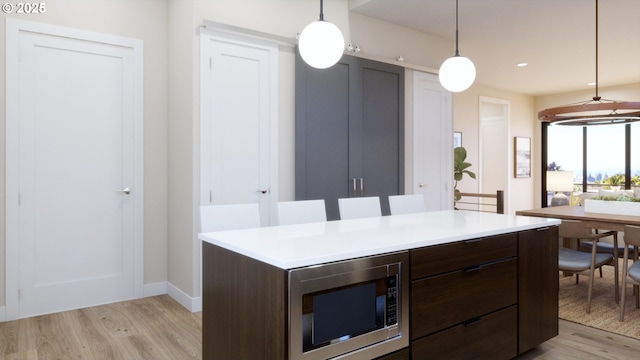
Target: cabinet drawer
{"points": [[439, 259], [490, 337], [445, 300]]}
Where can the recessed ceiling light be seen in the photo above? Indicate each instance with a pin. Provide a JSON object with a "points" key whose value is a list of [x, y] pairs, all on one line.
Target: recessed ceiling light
{"points": [[522, 64]]}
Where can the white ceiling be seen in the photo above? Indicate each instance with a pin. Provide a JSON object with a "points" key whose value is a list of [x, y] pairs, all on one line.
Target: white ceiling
{"points": [[556, 37]]}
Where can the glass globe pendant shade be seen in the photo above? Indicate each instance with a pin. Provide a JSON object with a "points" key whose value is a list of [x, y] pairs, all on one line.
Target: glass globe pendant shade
{"points": [[321, 44], [457, 73]]}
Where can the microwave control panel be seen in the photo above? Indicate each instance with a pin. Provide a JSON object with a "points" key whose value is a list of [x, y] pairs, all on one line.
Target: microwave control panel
{"points": [[392, 301]]}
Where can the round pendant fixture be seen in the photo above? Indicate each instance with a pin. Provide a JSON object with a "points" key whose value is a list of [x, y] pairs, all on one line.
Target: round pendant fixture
{"points": [[321, 43]]}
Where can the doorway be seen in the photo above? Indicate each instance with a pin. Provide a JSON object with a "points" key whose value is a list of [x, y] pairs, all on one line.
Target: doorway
{"points": [[432, 142], [74, 225], [239, 122], [494, 156]]}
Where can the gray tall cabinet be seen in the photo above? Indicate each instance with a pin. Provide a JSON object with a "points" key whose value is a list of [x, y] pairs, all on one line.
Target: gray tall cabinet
{"points": [[349, 131]]}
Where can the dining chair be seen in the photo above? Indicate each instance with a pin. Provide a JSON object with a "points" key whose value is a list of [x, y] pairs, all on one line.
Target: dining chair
{"points": [[604, 247], [578, 262], [301, 211], [406, 204], [359, 207], [229, 217], [630, 274]]}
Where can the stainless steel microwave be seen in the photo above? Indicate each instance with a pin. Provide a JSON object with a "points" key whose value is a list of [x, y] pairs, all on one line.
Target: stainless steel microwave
{"points": [[351, 309]]}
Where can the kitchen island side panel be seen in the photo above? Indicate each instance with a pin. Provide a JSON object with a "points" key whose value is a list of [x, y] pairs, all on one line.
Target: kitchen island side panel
{"points": [[537, 287], [244, 305]]}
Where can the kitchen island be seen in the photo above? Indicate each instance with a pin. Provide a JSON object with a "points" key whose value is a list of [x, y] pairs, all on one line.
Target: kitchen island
{"points": [[466, 268]]}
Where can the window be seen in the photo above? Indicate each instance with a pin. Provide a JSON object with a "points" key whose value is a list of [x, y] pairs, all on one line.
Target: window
{"points": [[597, 155], [605, 155]]}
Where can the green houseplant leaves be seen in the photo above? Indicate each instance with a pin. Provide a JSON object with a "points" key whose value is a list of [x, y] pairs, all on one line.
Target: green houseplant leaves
{"points": [[460, 167]]}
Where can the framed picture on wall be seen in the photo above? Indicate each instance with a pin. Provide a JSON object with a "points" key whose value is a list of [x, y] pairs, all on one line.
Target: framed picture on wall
{"points": [[457, 139], [522, 157]]}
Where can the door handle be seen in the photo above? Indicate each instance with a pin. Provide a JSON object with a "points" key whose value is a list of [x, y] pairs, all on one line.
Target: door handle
{"points": [[263, 191], [126, 190], [361, 186], [355, 188], [421, 185]]}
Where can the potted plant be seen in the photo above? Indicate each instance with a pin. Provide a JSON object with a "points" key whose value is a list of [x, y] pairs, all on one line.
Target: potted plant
{"points": [[618, 205], [460, 167], [614, 181]]}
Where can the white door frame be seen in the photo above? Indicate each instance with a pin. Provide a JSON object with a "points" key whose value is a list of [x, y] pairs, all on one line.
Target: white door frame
{"points": [[13, 29]]}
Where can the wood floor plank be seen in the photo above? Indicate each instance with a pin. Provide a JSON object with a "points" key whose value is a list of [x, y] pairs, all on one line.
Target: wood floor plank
{"points": [[158, 328], [579, 342]]}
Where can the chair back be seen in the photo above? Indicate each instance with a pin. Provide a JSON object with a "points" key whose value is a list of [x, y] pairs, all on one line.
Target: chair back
{"points": [[632, 235], [573, 229], [359, 207], [229, 217], [406, 204], [301, 211]]}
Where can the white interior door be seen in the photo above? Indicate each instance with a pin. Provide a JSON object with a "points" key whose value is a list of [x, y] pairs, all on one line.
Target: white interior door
{"points": [[76, 168], [495, 153], [239, 122], [432, 142]]}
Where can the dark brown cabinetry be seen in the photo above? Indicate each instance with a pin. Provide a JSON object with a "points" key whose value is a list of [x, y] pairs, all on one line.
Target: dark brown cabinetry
{"points": [[488, 298], [494, 297], [537, 287], [472, 292]]}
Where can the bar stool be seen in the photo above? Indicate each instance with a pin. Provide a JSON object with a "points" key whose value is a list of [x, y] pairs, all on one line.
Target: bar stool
{"points": [[359, 207]]}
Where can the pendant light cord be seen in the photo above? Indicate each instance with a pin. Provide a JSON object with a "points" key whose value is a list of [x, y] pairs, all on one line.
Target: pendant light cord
{"points": [[322, 13], [457, 52], [597, 97]]}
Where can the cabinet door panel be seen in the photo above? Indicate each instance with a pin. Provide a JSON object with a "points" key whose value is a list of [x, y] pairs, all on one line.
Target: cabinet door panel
{"points": [[445, 300], [349, 126], [491, 337], [322, 134], [440, 259], [537, 286], [382, 153]]}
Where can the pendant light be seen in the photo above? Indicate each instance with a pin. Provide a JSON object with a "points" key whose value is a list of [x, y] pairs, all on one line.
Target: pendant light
{"points": [[596, 111], [321, 43], [457, 73]]}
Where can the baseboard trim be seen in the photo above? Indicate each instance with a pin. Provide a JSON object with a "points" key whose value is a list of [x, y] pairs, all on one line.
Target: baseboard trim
{"points": [[193, 304], [155, 289]]}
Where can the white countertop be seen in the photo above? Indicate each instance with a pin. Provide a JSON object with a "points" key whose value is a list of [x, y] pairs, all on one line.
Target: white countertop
{"points": [[293, 246]]}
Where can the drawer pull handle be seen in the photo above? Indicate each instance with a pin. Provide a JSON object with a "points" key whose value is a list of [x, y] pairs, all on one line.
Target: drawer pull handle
{"points": [[472, 322], [471, 241], [542, 229], [473, 268]]}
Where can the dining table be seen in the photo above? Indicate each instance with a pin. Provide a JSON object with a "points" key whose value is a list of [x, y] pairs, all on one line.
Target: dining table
{"points": [[590, 219]]}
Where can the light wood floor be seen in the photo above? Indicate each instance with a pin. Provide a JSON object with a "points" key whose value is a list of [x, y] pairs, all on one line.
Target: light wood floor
{"points": [[150, 328], [159, 328]]}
